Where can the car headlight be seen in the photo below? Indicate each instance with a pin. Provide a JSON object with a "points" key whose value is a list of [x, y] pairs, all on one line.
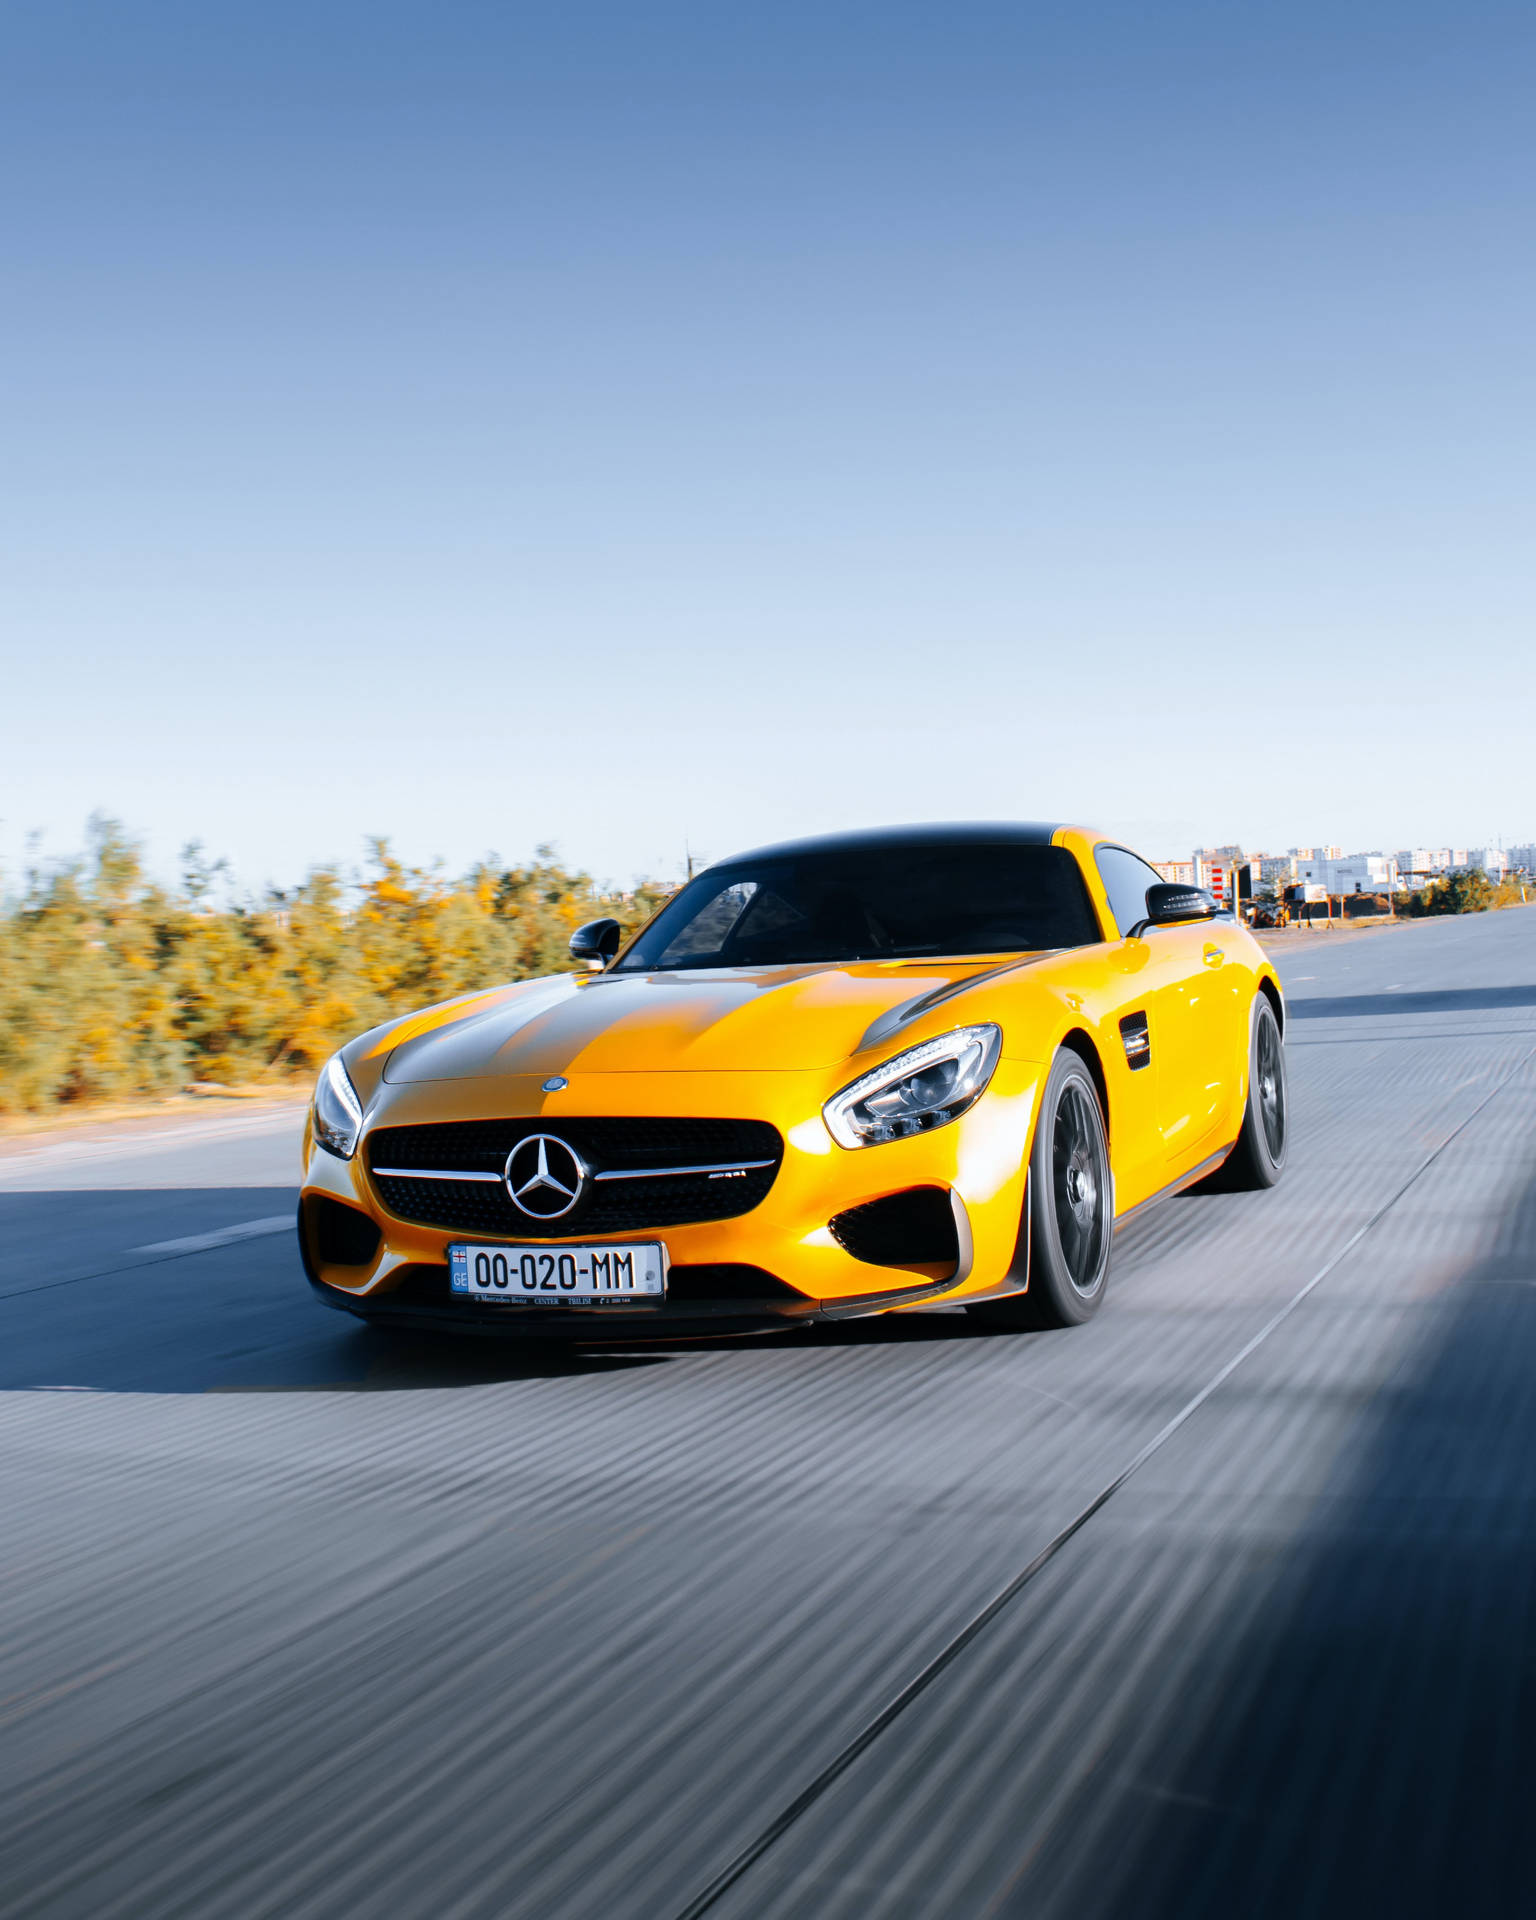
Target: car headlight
{"points": [[923, 1088], [338, 1111]]}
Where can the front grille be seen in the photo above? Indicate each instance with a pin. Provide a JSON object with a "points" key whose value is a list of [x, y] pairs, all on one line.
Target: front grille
{"points": [[654, 1198]]}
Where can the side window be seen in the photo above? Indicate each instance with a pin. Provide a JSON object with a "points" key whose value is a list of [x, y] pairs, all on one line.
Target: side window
{"points": [[1126, 880]]}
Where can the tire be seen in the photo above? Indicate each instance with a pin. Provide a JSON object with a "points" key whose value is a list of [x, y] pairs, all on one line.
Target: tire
{"points": [[1071, 1219], [1258, 1159]]}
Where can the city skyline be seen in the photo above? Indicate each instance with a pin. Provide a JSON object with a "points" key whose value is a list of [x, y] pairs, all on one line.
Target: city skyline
{"points": [[225, 880]]}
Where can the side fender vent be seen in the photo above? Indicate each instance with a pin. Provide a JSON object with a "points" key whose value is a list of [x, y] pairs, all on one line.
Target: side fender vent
{"points": [[1137, 1041]]}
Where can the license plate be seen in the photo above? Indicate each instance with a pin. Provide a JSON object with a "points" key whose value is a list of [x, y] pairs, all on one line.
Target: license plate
{"points": [[597, 1276]]}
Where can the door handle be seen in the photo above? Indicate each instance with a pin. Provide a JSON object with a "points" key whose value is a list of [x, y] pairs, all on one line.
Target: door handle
{"points": [[1213, 956]]}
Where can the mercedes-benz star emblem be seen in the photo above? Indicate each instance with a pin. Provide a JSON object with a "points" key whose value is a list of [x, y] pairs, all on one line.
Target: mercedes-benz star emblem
{"points": [[544, 1176]]}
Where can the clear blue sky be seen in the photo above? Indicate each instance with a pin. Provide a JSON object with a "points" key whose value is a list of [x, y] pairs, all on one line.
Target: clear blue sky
{"points": [[610, 424]]}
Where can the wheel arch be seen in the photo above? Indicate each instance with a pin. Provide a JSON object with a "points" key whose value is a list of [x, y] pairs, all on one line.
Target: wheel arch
{"points": [[1275, 998], [1079, 1041]]}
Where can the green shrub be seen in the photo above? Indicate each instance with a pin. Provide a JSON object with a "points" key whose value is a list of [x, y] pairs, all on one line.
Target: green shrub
{"points": [[1471, 892]]}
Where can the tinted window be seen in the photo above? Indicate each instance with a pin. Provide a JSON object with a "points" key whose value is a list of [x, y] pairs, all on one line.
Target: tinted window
{"points": [[890, 902], [1126, 880]]}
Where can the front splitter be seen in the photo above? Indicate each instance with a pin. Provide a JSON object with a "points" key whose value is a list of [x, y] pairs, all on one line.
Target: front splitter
{"points": [[697, 1319]]}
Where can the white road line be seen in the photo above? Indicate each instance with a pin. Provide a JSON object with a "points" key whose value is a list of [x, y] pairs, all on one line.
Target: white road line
{"points": [[225, 1236]]}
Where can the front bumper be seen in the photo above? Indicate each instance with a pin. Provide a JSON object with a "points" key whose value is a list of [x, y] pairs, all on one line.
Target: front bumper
{"points": [[439, 1313], [979, 1159]]}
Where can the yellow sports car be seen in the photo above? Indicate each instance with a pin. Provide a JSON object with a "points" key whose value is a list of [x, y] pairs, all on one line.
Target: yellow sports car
{"points": [[872, 1071]]}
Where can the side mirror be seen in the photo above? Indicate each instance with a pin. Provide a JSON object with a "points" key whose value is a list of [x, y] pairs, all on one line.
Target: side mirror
{"points": [[1168, 905], [597, 942]]}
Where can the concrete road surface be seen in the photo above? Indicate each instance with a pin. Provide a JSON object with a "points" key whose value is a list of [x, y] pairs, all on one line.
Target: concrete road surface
{"points": [[1222, 1605]]}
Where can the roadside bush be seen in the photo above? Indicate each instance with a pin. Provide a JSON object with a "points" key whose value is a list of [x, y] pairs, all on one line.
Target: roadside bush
{"points": [[112, 986], [1471, 892]]}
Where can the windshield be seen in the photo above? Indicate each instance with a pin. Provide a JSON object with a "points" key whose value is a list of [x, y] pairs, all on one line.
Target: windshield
{"points": [[885, 903]]}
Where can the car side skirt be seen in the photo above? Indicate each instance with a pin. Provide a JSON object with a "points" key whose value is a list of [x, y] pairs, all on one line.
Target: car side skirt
{"points": [[1175, 1187]]}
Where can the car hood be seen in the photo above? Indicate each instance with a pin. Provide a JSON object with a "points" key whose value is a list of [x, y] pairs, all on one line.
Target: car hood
{"points": [[737, 1020]]}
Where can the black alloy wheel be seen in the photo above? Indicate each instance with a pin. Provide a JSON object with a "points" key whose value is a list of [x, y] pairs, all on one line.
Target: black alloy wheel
{"points": [[1079, 1175], [1071, 1207], [1259, 1156]]}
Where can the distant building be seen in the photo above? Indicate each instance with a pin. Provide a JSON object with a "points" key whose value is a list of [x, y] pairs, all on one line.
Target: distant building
{"points": [[1491, 860], [1420, 862], [1522, 859], [1209, 860], [1177, 873], [1351, 873]]}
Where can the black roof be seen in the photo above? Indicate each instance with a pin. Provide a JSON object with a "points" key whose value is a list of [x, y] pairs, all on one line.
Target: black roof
{"points": [[937, 833]]}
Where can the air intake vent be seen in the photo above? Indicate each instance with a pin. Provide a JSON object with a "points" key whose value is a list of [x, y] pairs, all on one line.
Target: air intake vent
{"points": [[911, 1229], [730, 1283], [343, 1236]]}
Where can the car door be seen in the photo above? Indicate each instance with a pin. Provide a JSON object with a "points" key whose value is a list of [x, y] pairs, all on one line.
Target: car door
{"points": [[1186, 1009], [1147, 972], [1201, 1047], [1220, 1022]]}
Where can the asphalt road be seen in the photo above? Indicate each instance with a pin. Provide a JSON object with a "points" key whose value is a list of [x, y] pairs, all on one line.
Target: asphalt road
{"points": [[1222, 1605]]}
